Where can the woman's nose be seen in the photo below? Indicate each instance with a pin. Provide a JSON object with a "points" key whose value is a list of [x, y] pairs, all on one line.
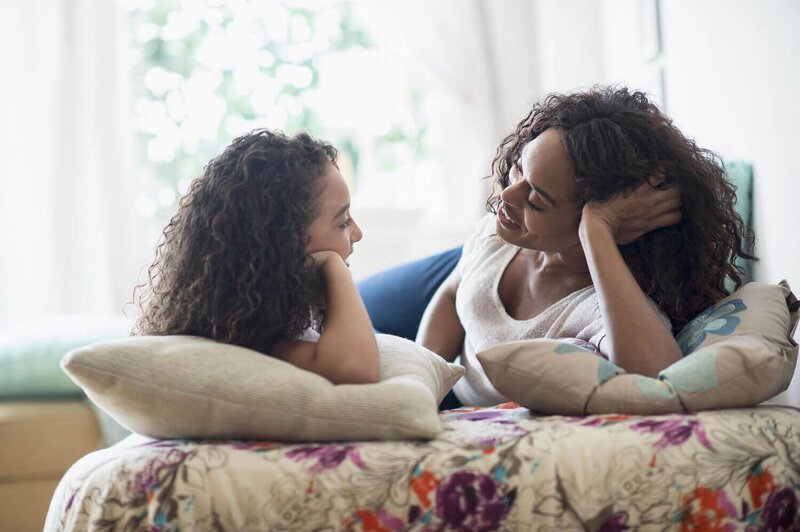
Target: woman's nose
{"points": [[511, 194]]}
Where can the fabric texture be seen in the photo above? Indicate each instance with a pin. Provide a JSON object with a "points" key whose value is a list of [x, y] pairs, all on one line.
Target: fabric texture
{"points": [[738, 353], [30, 353], [397, 298], [490, 469], [487, 324], [191, 387]]}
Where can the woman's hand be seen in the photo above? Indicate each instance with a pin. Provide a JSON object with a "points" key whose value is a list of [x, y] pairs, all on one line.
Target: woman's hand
{"points": [[631, 216]]}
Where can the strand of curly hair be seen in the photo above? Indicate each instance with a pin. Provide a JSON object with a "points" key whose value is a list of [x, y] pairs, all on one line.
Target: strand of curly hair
{"points": [[615, 139], [231, 264]]}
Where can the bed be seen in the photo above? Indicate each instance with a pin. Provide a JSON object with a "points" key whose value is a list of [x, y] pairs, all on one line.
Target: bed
{"points": [[499, 468]]}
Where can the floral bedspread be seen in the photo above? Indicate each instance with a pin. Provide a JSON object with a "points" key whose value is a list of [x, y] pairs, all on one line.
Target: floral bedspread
{"points": [[495, 468]]}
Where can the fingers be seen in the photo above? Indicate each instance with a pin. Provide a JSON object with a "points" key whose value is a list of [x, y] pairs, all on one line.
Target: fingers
{"points": [[659, 200], [666, 219], [669, 204]]}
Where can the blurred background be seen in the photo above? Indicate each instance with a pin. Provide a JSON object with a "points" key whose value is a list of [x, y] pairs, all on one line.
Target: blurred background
{"points": [[110, 108]]}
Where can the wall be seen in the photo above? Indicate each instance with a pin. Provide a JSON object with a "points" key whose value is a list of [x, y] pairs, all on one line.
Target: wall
{"points": [[731, 81]]}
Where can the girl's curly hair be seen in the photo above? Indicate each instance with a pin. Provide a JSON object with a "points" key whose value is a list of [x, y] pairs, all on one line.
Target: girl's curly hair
{"points": [[231, 264], [616, 139]]}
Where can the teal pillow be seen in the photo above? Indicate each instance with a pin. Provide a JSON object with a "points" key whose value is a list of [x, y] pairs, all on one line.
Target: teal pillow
{"points": [[740, 174], [30, 353]]}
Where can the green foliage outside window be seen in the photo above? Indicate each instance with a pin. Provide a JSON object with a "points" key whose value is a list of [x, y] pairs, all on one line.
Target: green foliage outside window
{"points": [[205, 72]]}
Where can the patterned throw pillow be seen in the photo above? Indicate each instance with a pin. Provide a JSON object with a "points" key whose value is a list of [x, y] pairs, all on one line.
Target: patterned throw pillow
{"points": [[191, 387], [738, 353]]}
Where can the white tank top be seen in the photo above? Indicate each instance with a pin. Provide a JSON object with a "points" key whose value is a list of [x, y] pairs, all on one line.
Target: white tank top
{"points": [[487, 324]]}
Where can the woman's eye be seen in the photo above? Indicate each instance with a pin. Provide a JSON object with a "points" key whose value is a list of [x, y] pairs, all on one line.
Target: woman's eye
{"points": [[346, 223], [534, 207]]}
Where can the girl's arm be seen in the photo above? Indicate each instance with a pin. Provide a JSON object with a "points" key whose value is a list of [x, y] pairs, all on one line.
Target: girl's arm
{"points": [[639, 341], [347, 352], [440, 329]]}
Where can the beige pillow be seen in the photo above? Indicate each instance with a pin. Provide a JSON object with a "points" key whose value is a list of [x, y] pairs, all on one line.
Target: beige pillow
{"points": [[192, 387], [738, 353]]}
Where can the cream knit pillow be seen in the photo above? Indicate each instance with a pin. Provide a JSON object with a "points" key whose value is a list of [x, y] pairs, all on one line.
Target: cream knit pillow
{"points": [[192, 387]]}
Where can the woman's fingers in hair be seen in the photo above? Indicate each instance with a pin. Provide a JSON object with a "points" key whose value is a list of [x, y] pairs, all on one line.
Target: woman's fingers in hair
{"points": [[666, 219], [671, 203]]}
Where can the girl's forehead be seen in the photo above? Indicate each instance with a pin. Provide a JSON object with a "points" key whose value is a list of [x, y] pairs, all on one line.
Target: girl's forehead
{"points": [[334, 193]]}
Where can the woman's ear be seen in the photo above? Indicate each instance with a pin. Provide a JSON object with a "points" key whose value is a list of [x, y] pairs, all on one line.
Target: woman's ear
{"points": [[658, 178]]}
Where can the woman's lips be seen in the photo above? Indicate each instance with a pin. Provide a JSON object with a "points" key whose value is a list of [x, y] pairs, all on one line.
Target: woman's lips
{"points": [[504, 219]]}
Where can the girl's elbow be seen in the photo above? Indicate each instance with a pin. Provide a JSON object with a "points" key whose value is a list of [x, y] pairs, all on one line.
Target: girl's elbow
{"points": [[359, 374]]}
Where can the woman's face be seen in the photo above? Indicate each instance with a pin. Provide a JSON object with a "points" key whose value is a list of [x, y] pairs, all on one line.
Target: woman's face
{"points": [[333, 229], [536, 211]]}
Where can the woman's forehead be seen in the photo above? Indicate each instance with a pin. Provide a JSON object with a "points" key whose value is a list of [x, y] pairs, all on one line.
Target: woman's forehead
{"points": [[544, 161]]}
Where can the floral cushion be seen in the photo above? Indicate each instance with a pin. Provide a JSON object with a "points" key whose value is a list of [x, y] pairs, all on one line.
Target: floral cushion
{"points": [[738, 353], [191, 387], [490, 469]]}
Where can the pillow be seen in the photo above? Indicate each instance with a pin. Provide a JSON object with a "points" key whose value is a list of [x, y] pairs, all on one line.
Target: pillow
{"points": [[30, 353], [738, 353], [192, 387]]}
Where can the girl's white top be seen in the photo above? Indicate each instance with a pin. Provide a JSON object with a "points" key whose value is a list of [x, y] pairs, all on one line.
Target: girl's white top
{"points": [[487, 324]]}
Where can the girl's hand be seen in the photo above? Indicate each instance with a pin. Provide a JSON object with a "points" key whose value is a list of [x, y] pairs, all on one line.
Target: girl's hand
{"points": [[323, 258], [632, 215], [329, 264]]}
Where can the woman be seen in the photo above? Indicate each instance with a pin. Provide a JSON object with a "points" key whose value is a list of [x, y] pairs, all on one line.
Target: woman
{"points": [[607, 225]]}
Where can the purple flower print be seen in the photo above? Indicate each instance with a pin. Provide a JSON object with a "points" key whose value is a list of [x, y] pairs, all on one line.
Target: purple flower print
{"points": [[480, 415], [615, 523], [673, 431], [470, 502], [153, 473], [781, 511], [327, 456]]}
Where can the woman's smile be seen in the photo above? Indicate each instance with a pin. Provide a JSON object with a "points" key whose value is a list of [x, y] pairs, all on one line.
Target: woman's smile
{"points": [[505, 219]]}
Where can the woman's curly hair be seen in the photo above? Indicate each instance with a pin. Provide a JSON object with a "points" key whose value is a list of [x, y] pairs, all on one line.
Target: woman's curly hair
{"points": [[231, 264], [616, 139]]}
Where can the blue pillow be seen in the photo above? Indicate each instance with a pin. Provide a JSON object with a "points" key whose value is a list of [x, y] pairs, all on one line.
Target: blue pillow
{"points": [[397, 298]]}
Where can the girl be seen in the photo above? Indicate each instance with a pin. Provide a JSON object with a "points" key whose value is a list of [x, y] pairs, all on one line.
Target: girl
{"points": [[607, 225], [257, 246]]}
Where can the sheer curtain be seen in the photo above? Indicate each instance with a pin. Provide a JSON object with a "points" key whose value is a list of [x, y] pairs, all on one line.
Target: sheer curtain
{"points": [[68, 235], [479, 59]]}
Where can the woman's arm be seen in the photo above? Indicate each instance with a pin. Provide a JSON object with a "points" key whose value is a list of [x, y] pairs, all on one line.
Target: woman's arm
{"points": [[347, 352], [440, 329], [639, 341]]}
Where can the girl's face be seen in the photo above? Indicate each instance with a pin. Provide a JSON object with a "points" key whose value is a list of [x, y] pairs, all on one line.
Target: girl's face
{"points": [[536, 211], [333, 229]]}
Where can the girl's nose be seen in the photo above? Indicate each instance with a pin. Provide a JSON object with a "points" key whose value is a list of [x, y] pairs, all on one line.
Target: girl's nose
{"points": [[356, 234]]}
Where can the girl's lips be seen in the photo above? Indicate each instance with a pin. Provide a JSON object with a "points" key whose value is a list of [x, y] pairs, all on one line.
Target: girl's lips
{"points": [[505, 220]]}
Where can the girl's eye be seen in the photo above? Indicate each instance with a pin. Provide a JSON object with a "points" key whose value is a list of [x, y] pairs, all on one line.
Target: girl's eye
{"points": [[346, 223]]}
